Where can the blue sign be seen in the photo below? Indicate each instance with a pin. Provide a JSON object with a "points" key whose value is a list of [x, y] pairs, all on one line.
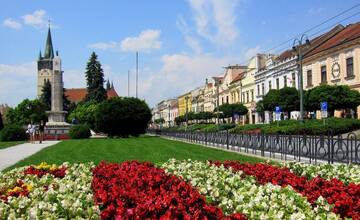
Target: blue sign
{"points": [[277, 109], [324, 106]]}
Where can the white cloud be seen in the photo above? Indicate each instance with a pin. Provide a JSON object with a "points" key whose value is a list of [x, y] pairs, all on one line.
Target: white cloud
{"points": [[11, 23], [38, 19], [17, 82], [146, 41], [104, 46], [215, 20], [249, 53], [190, 40], [315, 11]]}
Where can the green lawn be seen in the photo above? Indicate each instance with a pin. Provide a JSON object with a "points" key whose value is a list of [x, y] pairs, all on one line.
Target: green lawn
{"points": [[6, 144], [145, 148]]}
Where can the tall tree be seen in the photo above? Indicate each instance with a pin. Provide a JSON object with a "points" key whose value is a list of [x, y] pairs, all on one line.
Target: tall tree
{"points": [[46, 94], [95, 80], [337, 97], [1, 122]]}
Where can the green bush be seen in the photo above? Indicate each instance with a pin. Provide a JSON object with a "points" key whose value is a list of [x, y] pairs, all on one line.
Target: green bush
{"points": [[13, 133], [333, 126], [81, 131], [85, 113], [122, 117]]}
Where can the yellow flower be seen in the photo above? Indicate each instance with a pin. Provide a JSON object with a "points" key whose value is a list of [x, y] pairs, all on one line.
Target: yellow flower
{"points": [[43, 166]]}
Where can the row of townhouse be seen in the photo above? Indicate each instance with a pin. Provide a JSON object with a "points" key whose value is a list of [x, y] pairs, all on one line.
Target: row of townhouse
{"points": [[331, 58]]}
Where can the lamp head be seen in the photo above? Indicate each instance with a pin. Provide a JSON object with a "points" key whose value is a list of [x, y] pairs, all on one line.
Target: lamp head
{"points": [[294, 48], [307, 42]]}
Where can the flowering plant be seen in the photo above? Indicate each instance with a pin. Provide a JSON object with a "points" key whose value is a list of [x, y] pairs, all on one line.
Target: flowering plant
{"points": [[134, 190], [50, 197], [344, 199], [234, 192], [43, 168]]}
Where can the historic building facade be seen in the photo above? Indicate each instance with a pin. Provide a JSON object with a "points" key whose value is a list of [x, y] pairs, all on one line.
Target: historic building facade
{"points": [[45, 64], [243, 87], [335, 62], [184, 103]]}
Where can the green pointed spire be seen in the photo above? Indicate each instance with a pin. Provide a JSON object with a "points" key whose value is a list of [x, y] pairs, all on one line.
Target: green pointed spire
{"points": [[108, 86], [49, 51], [40, 57]]}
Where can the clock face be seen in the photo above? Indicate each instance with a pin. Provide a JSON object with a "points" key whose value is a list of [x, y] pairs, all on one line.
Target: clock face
{"points": [[335, 70]]}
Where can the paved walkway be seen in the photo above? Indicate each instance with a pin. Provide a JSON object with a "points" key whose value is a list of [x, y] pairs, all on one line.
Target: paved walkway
{"points": [[11, 155]]}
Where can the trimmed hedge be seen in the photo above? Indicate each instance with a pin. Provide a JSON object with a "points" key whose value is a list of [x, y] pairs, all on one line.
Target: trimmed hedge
{"points": [[81, 131], [13, 133], [333, 126]]}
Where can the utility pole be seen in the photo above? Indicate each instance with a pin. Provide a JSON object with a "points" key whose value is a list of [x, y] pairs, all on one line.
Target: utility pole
{"points": [[304, 40], [137, 72], [128, 83], [169, 115], [186, 114]]}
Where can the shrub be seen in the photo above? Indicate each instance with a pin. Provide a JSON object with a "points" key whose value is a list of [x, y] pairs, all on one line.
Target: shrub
{"points": [[1, 122], [122, 117], [85, 113], [81, 131], [13, 133]]}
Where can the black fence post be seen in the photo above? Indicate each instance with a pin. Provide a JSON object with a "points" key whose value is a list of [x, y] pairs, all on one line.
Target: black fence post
{"points": [[227, 139]]}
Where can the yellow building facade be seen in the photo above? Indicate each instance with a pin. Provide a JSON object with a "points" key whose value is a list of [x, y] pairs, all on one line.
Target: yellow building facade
{"points": [[183, 102]]}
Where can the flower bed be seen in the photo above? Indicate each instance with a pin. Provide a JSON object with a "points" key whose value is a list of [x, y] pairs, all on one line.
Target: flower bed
{"points": [[48, 196], [180, 190], [235, 193], [134, 190], [344, 198]]}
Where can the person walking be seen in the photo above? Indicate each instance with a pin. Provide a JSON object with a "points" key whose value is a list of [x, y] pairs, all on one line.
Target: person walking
{"points": [[41, 131], [31, 132]]}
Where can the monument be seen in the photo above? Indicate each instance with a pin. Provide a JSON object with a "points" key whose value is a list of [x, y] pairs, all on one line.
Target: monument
{"points": [[49, 69]]}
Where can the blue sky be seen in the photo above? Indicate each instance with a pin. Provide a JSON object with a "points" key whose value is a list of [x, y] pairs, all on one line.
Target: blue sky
{"points": [[180, 42]]}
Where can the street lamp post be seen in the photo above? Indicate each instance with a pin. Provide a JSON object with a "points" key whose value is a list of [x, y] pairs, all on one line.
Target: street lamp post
{"points": [[186, 114], [169, 114], [217, 104], [297, 46]]}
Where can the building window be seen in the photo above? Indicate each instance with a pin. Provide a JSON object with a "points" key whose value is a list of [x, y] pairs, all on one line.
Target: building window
{"points": [[349, 67], [293, 78], [277, 83], [222, 100], [309, 77], [269, 85], [252, 95], [285, 81], [247, 96], [323, 74], [262, 88], [227, 99], [243, 97], [258, 89]]}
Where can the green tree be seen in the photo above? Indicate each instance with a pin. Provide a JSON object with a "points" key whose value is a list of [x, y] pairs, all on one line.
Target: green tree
{"points": [[26, 111], [337, 97], [123, 117], [228, 110], [46, 94], [271, 99], [1, 122], [85, 113], [289, 99], [95, 80], [159, 121]]}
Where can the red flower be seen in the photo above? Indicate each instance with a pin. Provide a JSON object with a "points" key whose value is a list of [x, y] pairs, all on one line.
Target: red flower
{"points": [[134, 190], [344, 198]]}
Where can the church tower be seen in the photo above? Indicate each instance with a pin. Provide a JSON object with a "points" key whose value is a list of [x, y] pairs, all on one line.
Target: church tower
{"points": [[45, 64]]}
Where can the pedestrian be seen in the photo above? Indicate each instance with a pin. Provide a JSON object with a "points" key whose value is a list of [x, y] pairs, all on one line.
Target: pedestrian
{"points": [[31, 132], [41, 131]]}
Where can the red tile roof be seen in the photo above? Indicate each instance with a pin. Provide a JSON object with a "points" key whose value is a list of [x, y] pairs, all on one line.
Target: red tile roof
{"points": [[314, 43], [79, 94], [238, 77], [347, 34]]}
